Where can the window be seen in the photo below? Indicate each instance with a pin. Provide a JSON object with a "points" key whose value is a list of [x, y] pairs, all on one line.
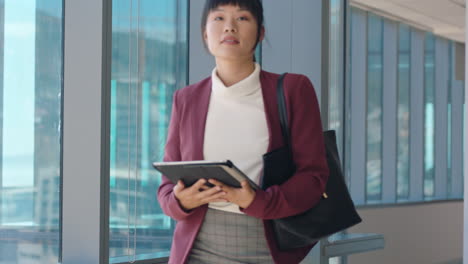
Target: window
{"points": [[404, 84], [449, 122], [398, 164], [429, 114], [374, 107], [149, 62], [30, 129], [336, 79], [336, 71]]}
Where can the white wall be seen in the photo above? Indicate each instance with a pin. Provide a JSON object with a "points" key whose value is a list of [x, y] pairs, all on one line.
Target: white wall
{"points": [[423, 234]]}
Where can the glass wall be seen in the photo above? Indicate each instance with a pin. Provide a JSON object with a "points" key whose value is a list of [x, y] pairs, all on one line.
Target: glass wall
{"points": [[350, 36], [429, 115], [449, 121], [404, 84], [336, 80], [30, 130], [336, 71], [149, 62], [367, 72], [374, 107]]}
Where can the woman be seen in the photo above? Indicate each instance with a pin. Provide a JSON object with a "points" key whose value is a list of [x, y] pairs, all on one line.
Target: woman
{"points": [[233, 115]]}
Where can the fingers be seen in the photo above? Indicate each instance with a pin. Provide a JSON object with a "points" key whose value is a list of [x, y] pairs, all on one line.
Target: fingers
{"points": [[215, 182], [210, 192], [204, 188], [179, 187], [181, 184], [241, 196], [245, 185], [220, 184], [199, 184], [199, 193], [212, 195]]}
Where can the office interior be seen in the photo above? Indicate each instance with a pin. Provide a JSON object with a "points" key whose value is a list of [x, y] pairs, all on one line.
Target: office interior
{"points": [[87, 86]]}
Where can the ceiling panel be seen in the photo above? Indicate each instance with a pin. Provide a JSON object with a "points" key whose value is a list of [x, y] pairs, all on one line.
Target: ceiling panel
{"points": [[442, 17]]}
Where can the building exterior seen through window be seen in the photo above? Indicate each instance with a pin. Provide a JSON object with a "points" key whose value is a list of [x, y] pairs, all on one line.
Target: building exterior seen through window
{"points": [[30, 130], [149, 62]]}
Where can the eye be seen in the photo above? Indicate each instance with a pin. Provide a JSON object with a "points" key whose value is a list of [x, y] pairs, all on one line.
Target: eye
{"points": [[218, 18], [243, 18]]}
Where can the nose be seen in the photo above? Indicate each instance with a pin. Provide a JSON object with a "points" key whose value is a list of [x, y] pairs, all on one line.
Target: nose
{"points": [[230, 26]]}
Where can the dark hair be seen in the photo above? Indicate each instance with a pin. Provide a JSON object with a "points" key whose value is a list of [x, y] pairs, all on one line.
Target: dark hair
{"points": [[253, 6]]}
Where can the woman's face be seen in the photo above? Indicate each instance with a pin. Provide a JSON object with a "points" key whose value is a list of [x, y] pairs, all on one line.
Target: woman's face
{"points": [[231, 33]]}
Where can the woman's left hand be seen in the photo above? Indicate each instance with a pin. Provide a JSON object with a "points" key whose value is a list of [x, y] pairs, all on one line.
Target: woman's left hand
{"points": [[243, 197]]}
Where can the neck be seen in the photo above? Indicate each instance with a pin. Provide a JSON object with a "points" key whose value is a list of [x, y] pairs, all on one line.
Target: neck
{"points": [[232, 72]]}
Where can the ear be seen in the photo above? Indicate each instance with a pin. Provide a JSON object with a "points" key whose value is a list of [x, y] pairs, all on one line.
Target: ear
{"points": [[262, 34]]}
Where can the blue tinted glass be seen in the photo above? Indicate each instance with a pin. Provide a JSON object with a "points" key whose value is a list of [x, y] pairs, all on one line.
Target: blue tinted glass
{"points": [[429, 114], [30, 130], [149, 62], [335, 112], [374, 108], [404, 85], [348, 93], [449, 120]]}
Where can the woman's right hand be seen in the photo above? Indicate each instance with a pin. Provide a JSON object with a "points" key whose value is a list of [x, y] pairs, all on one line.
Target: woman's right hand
{"points": [[198, 194]]}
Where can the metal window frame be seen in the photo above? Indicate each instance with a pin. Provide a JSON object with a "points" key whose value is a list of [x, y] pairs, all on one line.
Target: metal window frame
{"points": [[357, 100], [441, 116], [325, 77], [148, 261], [390, 112], [465, 159], [416, 116], [86, 118], [457, 133]]}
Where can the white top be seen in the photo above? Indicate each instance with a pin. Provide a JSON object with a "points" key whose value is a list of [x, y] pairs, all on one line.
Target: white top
{"points": [[236, 128]]}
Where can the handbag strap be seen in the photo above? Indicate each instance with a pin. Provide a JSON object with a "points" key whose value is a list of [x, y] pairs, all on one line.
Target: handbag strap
{"points": [[282, 112], [284, 117]]}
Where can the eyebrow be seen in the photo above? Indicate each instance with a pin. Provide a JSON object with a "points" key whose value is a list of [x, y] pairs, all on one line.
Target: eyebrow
{"points": [[222, 10]]}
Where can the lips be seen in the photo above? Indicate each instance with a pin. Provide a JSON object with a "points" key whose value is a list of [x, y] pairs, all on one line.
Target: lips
{"points": [[230, 40]]}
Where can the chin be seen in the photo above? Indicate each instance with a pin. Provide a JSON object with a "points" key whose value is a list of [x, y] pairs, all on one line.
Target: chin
{"points": [[234, 56]]}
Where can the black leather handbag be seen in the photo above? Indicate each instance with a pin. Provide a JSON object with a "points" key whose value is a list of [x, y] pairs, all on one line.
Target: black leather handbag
{"points": [[333, 213]]}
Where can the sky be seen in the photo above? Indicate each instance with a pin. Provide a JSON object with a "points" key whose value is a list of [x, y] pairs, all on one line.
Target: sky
{"points": [[19, 93]]}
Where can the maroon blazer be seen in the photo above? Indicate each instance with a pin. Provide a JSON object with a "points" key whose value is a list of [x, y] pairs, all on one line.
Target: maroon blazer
{"points": [[299, 193]]}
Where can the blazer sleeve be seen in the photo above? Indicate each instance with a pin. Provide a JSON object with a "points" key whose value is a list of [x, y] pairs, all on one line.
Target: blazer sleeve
{"points": [[305, 188], [167, 200]]}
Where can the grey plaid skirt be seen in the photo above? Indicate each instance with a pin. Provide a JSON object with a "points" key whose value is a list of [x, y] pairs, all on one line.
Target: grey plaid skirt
{"points": [[230, 238]]}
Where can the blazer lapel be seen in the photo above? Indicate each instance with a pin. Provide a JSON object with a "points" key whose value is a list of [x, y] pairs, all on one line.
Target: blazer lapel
{"points": [[268, 83], [199, 112]]}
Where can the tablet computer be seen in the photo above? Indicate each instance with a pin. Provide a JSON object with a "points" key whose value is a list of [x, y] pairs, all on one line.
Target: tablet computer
{"points": [[191, 171]]}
